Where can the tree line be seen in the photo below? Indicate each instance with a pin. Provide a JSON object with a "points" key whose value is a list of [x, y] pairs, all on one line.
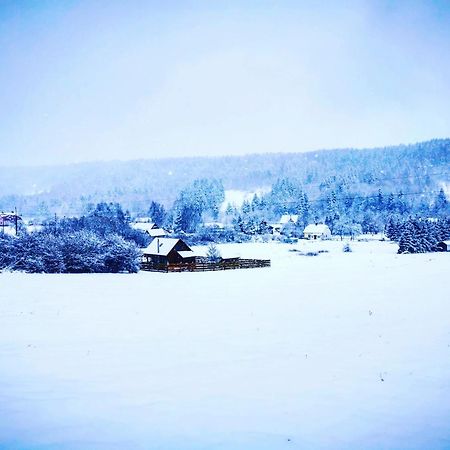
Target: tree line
{"points": [[101, 241]]}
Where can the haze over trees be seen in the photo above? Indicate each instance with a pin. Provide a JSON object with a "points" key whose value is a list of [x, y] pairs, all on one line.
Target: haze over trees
{"points": [[40, 192], [398, 190]]}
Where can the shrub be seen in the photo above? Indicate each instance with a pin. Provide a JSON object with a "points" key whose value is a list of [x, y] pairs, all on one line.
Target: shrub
{"points": [[346, 248], [69, 252]]}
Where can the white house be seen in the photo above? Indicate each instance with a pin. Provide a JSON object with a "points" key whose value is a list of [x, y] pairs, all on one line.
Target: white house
{"points": [[317, 231]]}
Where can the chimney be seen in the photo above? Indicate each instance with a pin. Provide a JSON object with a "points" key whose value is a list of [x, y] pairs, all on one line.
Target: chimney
{"points": [[157, 245]]}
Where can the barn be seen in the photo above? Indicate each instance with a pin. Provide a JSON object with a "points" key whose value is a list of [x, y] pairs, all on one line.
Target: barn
{"points": [[164, 251], [317, 231]]}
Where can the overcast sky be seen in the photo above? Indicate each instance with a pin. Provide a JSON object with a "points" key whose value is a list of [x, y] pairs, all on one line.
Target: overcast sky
{"points": [[94, 80]]}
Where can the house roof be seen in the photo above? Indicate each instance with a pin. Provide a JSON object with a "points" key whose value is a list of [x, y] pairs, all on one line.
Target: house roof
{"points": [[155, 232], [285, 218], [144, 220], [320, 228], [143, 226], [186, 253], [161, 246]]}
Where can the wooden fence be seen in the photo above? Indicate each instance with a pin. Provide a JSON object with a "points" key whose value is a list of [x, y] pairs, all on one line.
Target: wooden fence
{"points": [[206, 266]]}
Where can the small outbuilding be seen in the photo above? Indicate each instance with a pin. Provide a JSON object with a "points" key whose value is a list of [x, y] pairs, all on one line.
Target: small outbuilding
{"points": [[317, 231], [165, 251], [288, 218], [443, 246], [150, 228]]}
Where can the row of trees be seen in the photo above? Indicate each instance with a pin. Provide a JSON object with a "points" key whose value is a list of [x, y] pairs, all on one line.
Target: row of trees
{"points": [[101, 241], [69, 252], [416, 235], [345, 211]]}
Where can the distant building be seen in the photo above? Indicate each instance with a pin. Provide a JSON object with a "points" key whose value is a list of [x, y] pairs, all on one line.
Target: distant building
{"points": [[443, 246], [214, 225], [9, 223], [31, 228], [143, 220], [157, 232], [166, 251], [317, 231], [286, 218], [150, 228]]}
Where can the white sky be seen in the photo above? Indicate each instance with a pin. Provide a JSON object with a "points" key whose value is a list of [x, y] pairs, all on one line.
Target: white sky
{"points": [[83, 80]]}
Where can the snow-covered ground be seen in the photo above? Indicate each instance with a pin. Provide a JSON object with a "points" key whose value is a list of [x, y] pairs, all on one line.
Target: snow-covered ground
{"points": [[339, 351]]}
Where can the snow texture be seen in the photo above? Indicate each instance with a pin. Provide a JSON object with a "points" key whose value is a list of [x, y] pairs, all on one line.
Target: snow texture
{"points": [[340, 350]]}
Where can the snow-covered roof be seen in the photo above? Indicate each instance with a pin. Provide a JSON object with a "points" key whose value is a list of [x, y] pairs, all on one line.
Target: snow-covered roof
{"points": [[161, 246], [320, 228], [144, 220], [157, 232], [285, 218], [143, 226], [186, 253]]}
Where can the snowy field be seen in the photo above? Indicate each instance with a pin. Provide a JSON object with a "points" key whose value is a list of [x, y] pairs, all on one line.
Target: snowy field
{"points": [[334, 351]]}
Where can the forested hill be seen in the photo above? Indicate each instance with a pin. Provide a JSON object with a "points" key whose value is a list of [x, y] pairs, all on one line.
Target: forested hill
{"points": [[422, 167]]}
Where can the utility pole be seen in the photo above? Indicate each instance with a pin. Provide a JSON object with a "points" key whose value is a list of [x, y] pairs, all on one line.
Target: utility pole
{"points": [[15, 218]]}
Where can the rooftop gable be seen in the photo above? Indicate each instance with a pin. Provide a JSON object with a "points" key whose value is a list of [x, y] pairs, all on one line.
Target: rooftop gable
{"points": [[163, 246]]}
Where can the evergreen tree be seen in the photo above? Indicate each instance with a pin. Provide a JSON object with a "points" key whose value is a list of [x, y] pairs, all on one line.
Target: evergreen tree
{"points": [[407, 242], [157, 213], [213, 253]]}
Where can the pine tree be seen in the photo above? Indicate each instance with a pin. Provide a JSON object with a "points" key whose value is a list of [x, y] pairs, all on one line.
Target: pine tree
{"points": [[407, 243], [213, 253]]}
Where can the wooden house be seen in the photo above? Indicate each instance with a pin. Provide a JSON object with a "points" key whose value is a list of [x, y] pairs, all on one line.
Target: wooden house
{"points": [[165, 251]]}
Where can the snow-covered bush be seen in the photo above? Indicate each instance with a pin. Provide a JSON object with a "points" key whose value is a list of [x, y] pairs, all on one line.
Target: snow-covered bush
{"points": [[120, 255], [39, 252], [104, 220], [7, 252], [83, 252], [73, 252], [346, 248]]}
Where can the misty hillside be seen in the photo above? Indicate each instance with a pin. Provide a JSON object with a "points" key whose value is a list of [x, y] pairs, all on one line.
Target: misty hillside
{"points": [[421, 167]]}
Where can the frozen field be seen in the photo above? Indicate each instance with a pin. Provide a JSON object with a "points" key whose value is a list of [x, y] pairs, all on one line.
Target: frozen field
{"points": [[335, 351]]}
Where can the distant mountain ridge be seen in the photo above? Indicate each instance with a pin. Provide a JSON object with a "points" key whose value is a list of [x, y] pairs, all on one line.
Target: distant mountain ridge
{"points": [[421, 166]]}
